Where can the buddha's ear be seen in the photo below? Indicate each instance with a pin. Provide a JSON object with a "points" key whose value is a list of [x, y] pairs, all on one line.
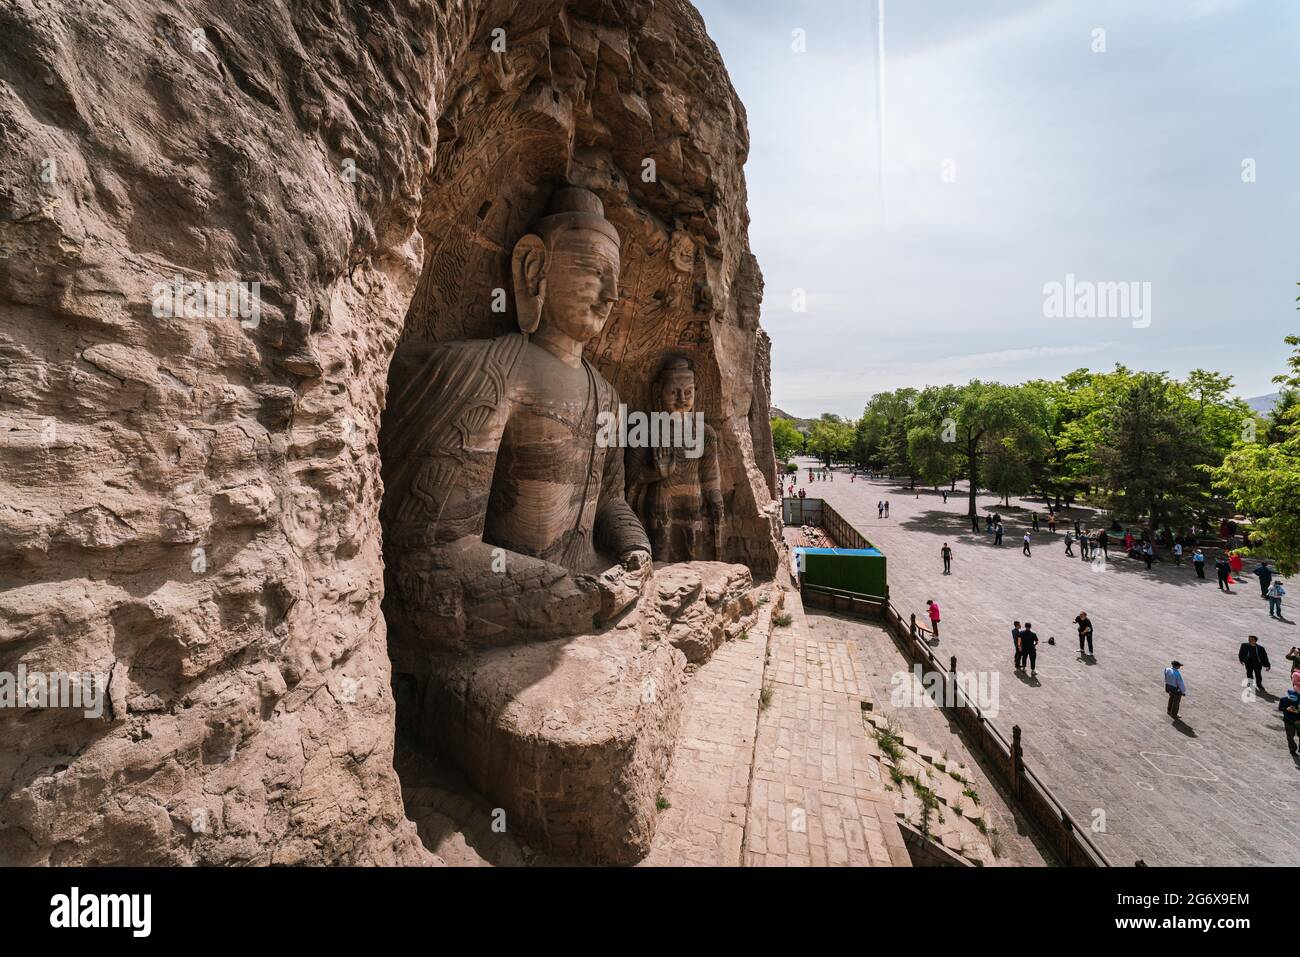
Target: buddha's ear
{"points": [[528, 271]]}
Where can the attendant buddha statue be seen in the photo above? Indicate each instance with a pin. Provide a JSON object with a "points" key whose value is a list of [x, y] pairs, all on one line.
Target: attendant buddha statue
{"points": [[676, 489]]}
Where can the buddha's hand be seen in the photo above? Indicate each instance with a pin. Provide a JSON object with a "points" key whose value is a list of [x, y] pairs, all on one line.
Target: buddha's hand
{"points": [[622, 585], [636, 558]]}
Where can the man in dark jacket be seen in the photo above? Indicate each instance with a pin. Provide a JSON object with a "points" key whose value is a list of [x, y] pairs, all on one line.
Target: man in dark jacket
{"points": [[1290, 708], [1222, 568], [1265, 578], [1029, 648], [1254, 657]]}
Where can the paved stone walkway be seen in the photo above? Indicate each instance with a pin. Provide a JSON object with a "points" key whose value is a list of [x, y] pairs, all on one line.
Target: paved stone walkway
{"points": [[1017, 842], [707, 790], [1218, 789], [818, 796]]}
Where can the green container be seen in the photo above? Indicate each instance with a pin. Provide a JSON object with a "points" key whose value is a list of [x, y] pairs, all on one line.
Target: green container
{"points": [[857, 570]]}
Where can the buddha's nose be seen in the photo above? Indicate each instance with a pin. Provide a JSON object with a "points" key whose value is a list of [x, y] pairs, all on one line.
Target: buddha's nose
{"points": [[609, 290]]}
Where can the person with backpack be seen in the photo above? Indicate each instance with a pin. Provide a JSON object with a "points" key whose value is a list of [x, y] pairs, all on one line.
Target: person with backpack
{"points": [[1274, 596]]}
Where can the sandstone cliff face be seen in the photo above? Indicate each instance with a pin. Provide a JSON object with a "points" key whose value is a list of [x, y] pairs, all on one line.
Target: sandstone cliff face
{"points": [[189, 497]]}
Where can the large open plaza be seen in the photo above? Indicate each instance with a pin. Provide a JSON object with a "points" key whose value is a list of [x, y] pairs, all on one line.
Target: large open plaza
{"points": [[1217, 788]]}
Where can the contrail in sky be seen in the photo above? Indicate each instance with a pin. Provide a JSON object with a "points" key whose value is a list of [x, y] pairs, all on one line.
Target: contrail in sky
{"points": [[880, 96]]}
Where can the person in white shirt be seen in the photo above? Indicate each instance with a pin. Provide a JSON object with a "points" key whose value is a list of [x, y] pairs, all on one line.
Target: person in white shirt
{"points": [[1178, 553]]}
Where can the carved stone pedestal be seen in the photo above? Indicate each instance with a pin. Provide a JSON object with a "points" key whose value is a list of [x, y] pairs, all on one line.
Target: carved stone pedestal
{"points": [[572, 738]]}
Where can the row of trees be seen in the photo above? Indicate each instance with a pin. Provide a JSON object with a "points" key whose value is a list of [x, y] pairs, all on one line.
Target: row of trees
{"points": [[1157, 451]]}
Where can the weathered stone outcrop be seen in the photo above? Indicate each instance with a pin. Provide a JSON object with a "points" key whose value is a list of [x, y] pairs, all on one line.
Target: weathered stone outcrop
{"points": [[189, 485]]}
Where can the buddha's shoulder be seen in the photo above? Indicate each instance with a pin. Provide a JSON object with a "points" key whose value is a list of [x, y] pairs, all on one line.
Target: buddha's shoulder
{"points": [[489, 355]]}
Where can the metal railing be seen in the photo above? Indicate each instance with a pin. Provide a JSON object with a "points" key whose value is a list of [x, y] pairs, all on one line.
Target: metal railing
{"points": [[1071, 844]]}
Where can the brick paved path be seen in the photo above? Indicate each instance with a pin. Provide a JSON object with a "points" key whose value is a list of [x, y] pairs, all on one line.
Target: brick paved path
{"points": [[1017, 841], [1220, 789], [818, 798], [789, 784]]}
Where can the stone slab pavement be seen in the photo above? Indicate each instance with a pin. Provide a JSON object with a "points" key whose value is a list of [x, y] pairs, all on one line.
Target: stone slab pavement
{"points": [[818, 797], [789, 783], [1218, 789], [1018, 844]]}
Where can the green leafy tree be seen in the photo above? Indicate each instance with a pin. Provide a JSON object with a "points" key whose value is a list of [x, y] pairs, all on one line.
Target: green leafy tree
{"points": [[1263, 479], [786, 438], [981, 420], [831, 438], [1153, 453]]}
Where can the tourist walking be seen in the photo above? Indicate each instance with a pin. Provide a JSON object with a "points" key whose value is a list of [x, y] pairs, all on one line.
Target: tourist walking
{"points": [[1104, 541], [1265, 575], [1289, 705], [880, 510], [1051, 523], [1221, 569], [1254, 657], [946, 552], [1178, 553], [1029, 649], [1198, 562], [886, 508], [933, 606], [1025, 548], [1035, 517], [1148, 553], [1085, 631], [1274, 596], [975, 524], [1235, 565], [1175, 687], [1069, 541], [1015, 642]]}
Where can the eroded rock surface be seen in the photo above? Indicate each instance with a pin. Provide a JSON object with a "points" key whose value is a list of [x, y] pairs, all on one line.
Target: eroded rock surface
{"points": [[189, 493]]}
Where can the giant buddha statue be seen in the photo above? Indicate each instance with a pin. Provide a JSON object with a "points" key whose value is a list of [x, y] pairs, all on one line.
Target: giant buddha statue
{"points": [[504, 518]]}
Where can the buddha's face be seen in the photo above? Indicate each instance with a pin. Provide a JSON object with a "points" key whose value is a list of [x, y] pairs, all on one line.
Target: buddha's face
{"points": [[677, 392], [581, 283]]}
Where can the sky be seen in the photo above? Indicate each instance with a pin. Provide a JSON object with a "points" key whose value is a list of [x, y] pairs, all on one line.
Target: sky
{"points": [[1021, 146]]}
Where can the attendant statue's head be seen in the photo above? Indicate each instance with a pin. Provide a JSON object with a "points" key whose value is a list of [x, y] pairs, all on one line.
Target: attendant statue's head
{"points": [[674, 387], [566, 269]]}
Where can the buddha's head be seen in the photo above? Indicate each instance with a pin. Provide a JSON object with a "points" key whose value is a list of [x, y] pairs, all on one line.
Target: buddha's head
{"points": [[566, 269], [674, 387]]}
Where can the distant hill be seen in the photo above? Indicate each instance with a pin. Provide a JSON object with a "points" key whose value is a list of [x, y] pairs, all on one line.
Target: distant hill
{"points": [[1263, 404], [803, 425]]}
